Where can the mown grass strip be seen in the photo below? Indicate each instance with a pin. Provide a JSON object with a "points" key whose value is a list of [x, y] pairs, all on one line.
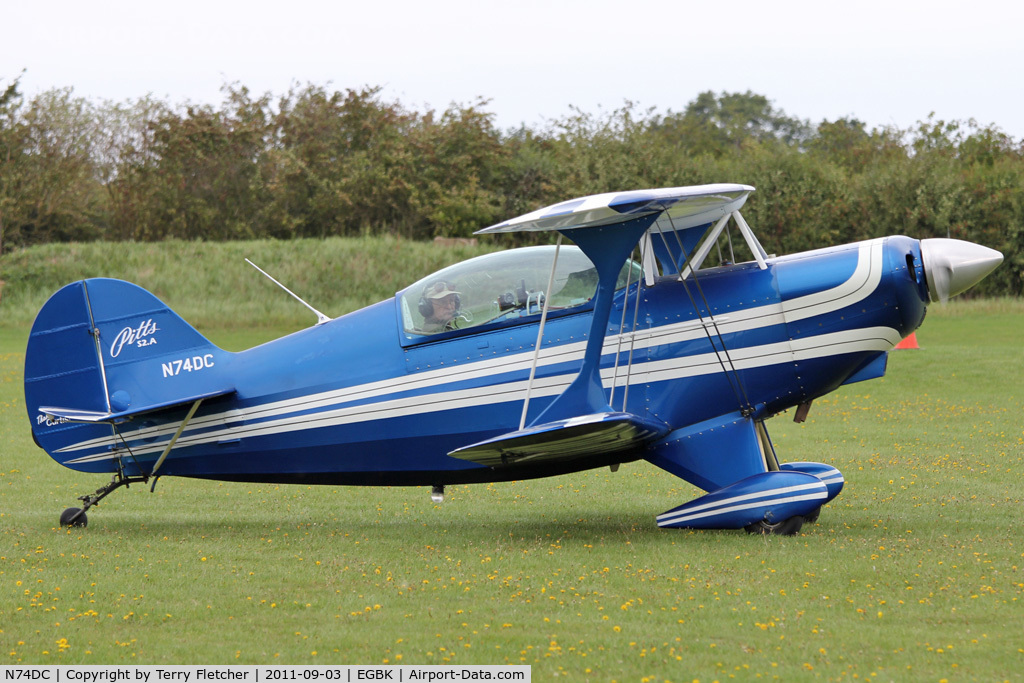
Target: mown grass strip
{"points": [[916, 572]]}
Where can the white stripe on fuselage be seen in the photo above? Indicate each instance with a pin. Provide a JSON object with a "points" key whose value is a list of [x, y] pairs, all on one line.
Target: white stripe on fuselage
{"points": [[850, 341], [333, 409]]}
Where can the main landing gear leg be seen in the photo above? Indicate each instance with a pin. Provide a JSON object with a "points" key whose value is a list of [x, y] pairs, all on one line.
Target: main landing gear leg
{"points": [[75, 517]]}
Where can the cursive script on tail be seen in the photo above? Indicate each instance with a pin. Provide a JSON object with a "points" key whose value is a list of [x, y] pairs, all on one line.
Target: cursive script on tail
{"points": [[140, 336]]}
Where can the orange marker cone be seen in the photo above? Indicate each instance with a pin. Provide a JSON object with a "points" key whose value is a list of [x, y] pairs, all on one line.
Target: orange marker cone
{"points": [[909, 342]]}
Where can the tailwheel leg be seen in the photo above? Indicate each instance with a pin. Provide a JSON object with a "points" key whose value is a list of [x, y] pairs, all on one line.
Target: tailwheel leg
{"points": [[76, 517]]}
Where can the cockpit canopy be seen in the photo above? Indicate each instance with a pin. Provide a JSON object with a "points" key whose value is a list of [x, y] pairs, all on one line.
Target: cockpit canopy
{"points": [[508, 287], [503, 287]]}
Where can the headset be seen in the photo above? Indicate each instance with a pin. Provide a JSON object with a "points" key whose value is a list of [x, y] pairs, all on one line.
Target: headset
{"points": [[426, 308]]}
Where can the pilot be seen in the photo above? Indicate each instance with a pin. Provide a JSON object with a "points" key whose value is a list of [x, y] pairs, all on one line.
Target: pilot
{"points": [[440, 306]]}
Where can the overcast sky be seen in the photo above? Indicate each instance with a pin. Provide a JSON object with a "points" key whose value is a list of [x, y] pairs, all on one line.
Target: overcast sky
{"points": [[886, 63]]}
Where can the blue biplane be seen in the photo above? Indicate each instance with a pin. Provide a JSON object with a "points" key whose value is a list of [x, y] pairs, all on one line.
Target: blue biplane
{"points": [[649, 338]]}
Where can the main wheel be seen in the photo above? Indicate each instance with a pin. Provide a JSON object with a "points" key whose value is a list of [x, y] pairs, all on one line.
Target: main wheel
{"points": [[787, 527], [67, 518], [813, 517]]}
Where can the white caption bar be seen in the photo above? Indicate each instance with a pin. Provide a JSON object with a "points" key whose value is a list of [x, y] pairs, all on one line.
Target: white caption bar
{"points": [[154, 673]]}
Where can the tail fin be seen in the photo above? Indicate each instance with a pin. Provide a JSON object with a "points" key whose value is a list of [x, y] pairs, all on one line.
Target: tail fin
{"points": [[104, 351]]}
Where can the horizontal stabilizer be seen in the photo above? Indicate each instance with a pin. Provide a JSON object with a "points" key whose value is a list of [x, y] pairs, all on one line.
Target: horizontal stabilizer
{"points": [[578, 437], [90, 416]]}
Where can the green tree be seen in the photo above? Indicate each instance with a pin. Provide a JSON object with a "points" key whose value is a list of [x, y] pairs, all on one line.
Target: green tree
{"points": [[531, 174], [125, 149], [848, 143], [200, 171], [609, 152], [12, 157], [338, 162], [459, 165], [718, 124], [51, 191], [317, 162]]}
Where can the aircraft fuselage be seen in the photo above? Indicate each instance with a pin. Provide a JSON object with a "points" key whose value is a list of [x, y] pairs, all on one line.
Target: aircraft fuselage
{"points": [[346, 403]]}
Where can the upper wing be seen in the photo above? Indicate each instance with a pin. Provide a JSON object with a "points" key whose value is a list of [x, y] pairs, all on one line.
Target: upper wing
{"points": [[686, 207]]}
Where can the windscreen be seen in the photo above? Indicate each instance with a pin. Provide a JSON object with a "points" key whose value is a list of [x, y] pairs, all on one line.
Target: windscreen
{"points": [[503, 286]]}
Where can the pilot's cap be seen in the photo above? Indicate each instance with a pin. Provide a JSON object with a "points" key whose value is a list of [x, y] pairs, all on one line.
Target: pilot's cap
{"points": [[439, 290]]}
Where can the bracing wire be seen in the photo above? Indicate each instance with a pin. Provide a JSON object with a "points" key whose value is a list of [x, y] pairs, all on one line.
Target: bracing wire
{"points": [[618, 346], [721, 338], [731, 374], [700, 316], [632, 333], [126, 446]]}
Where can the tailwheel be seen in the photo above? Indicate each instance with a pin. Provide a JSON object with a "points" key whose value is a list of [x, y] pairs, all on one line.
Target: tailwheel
{"points": [[787, 527], [74, 517]]}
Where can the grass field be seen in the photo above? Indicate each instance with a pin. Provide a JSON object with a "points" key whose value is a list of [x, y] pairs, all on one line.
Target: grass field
{"points": [[916, 572]]}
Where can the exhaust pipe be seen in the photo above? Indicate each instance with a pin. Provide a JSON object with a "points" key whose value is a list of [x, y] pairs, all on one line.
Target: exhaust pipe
{"points": [[953, 266]]}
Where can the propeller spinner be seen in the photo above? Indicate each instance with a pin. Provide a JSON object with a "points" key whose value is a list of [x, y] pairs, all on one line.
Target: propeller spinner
{"points": [[953, 266]]}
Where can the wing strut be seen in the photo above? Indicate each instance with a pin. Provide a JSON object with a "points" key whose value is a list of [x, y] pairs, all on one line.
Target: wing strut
{"points": [[697, 258], [755, 247], [695, 261], [540, 331]]}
